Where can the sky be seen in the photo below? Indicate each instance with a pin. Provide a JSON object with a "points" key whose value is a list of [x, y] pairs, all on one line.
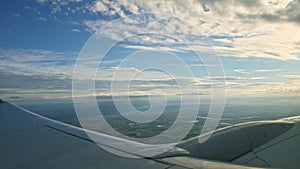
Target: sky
{"points": [[257, 42]]}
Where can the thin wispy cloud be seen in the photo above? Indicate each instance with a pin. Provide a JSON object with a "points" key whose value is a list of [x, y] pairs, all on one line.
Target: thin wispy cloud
{"points": [[241, 71], [268, 70], [38, 62]]}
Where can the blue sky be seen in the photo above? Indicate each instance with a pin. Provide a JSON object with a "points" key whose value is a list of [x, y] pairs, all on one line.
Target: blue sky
{"points": [[257, 42], [30, 25]]}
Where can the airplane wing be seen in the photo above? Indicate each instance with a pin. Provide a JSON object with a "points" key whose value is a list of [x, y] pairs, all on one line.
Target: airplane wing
{"points": [[28, 140]]}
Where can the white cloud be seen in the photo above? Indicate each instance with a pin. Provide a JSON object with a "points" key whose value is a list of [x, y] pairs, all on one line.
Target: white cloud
{"points": [[297, 77], [37, 62], [236, 78], [41, 19], [268, 70], [41, 1], [257, 28], [99, 7], [107, 8], [267, 29], [152, 48], [29, 74], [75, 30], [37, 73], [241, 71], [238, 28]]}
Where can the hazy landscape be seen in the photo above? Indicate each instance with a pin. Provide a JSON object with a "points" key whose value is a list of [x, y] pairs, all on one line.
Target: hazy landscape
{"points": [[237, 110]]}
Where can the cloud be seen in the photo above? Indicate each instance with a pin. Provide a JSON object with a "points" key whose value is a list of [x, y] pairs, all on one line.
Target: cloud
{"points": [[21, 80], [268, 70], [75, 30], [35, 73], [99, 7], [42, 19], [148, 82], [266, 89], [297, 77], [241, 71], [108, 8], [41, 1], [27, 7], [267, 29], [236, 28], [41, 73], [37, 62], [152, 48], [18, 85], [65, 7], [236, 78]]}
